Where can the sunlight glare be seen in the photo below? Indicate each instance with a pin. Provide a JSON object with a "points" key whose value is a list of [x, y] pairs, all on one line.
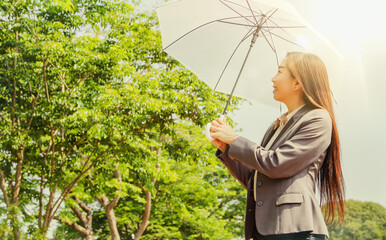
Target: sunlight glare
{"points": [[349, 23]]}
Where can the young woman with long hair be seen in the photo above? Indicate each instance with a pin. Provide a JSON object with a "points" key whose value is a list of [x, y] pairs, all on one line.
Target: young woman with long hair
{"points": [[299, 151]]}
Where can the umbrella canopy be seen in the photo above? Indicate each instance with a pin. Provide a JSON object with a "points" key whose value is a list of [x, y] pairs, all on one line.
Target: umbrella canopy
{"points": [[229, 41]]}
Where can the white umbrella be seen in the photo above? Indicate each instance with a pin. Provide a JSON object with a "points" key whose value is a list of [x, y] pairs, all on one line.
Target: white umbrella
{"points": [[235, 46]]}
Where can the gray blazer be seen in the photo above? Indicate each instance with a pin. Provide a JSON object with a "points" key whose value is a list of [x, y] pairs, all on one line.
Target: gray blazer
{"points": [[285, 195]]}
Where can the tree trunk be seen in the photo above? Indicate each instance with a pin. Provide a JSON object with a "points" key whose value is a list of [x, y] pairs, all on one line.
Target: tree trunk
{"points": [[145, 218], [87, 233], [113, 224], [109, 208], [41, 195], [15, 196], [90, 233], [85, 219], [16, 232], [18, 175], [146, 215], [88, 237]]}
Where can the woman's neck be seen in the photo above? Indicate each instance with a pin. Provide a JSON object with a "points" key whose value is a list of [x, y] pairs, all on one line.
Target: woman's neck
{"points": [[294, 104]]}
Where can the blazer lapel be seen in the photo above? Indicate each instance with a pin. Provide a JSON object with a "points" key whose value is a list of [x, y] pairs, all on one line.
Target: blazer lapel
{"points": [[268, 135], [305, 109]]}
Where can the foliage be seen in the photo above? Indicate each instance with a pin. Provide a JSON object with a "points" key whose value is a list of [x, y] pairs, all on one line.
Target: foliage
{"points": [[363, 220], [86, 91], [199, 201]]}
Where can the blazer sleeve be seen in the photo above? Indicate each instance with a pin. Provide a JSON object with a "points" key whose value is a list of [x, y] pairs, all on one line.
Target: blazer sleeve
{"points": [[291, 157], [238, 169]]}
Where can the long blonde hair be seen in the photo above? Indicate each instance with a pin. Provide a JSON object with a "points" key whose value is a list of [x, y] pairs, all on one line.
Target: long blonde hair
{"points": [[311, 73]]}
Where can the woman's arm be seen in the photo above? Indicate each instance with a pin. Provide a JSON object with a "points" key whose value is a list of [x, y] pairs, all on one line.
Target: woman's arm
{"points": [[238, 170], [309, 142]]}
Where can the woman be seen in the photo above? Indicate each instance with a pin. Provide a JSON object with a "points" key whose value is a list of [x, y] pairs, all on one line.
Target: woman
{"points": [[300, 149]]}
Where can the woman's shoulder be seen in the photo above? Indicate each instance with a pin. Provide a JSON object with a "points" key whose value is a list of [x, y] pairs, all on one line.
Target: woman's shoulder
{"points": [[318, 114]]}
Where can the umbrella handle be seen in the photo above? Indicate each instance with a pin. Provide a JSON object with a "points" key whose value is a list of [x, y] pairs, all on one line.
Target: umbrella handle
{"points": [[207, 129]]}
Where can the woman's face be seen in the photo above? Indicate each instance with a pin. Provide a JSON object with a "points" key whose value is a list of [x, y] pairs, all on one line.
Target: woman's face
{"points": [[284, 84]]}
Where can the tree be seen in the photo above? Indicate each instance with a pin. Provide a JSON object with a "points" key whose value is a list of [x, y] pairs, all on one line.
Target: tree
{"points": [[85, 88], [363, 220], [195, 197]]}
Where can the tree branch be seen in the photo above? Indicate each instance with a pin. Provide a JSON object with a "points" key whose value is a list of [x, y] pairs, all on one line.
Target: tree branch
{"points": [[63, 196], [36, 36], [76, 226], [86, 220], [103, 200], [75, 144], [79, 214], [77, 84], [114, 202], [215, 209], [52, 141], [82, 205], [49, 208], [34, 99], [4, 188], [52, 192], [145, 218], [45, 77], [16, 188], [14, 78], [138, 130], [88, 159], [45, 153], [68, 189], [41, 199], [146, 215]]}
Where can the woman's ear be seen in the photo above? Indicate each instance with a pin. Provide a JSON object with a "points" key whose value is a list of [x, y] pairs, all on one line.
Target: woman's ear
{"points": [[297, 85]]}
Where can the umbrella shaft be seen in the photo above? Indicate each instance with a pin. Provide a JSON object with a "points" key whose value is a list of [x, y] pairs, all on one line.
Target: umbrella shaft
{"points": [[254, 38], [255, 35]]}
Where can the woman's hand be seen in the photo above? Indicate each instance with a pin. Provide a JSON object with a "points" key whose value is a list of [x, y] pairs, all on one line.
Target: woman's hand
{"points": [[220, 145], [222, 133]]}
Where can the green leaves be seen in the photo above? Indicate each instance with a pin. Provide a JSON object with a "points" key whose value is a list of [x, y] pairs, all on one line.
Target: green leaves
{"points": [[363, 220], [91, 107]]}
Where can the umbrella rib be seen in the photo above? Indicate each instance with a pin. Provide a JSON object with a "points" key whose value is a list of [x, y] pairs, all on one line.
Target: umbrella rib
{"points": [[249, 6], [285, 39], [268, 18], [239, 24], [269, 11], [249, 33], [273, 45], [280, 28], [266, 39], [253, 11], [194, 29], [283, 27], [270, 33], [236, 11]]}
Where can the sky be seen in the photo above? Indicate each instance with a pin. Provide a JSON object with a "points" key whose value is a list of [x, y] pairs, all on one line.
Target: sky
{"points": [[357, 29]]}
